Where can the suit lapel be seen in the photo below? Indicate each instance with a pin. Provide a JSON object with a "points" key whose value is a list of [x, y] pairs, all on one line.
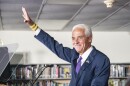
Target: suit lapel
{"points": [[74, 62], [86, 64]]}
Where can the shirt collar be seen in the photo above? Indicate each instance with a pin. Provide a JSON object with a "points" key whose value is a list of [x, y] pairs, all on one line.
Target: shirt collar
{"points": [[86, 54]]}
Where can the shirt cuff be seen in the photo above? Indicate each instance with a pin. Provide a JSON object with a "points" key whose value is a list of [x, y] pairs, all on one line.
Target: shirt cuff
{"points": [[37, 31]]}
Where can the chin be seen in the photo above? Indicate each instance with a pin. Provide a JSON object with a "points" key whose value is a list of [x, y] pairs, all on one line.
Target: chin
{"points": [[78, 51]]}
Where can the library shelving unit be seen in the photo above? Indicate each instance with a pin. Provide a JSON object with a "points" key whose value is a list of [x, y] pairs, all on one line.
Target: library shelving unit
{"points": [[40, 75], [119, 72], [60, 74]]}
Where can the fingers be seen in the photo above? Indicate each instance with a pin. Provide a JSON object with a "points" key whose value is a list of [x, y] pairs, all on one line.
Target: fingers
{"points": [[24, 20], [26, 17], [25, 14], [24, 11]]}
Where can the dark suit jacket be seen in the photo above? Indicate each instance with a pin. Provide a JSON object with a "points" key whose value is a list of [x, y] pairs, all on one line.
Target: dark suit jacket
{"points": [[94, 72]]}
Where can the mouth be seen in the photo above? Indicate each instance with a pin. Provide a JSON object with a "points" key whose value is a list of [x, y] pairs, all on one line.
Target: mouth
{"points": [[77, 47]]}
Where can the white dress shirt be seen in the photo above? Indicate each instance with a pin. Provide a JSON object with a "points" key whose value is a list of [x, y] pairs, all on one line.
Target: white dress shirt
{"points": [[37, 31], [85, 55]]}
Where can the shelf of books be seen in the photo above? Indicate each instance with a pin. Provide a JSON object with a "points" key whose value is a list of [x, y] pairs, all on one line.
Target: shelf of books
{"points": [[119, 74], [40, 75], [60, 74]]}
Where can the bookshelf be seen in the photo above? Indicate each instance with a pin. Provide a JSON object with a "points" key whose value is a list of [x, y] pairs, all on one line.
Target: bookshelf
{"points": [[119, 72], [60, 74], [54, 75]]}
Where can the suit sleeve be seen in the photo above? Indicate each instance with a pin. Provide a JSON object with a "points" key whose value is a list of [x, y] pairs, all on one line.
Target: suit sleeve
{"points": [[64, 53], [102, 72]]}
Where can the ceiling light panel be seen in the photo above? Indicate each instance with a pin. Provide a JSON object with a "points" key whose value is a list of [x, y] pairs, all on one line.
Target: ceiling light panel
{"points": [[91, 16], [66, 1], [12, 14], [96, 14], [59, 11], [116, 21]]}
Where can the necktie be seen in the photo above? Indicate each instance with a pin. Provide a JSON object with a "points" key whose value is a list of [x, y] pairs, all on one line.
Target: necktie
{"points": [[78, 65]]}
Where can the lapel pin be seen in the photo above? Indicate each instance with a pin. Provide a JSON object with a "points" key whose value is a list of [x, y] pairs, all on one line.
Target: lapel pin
{"points": [[87, 61]]}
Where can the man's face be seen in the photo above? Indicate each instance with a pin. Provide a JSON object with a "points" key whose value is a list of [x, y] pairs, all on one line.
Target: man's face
{"points": [[80, 41]]}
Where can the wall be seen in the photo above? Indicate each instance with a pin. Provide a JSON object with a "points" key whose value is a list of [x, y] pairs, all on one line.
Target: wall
{"points": [[116, 45]]}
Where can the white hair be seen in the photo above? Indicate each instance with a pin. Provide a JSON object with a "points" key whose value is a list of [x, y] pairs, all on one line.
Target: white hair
{"points": [[87, 29]]}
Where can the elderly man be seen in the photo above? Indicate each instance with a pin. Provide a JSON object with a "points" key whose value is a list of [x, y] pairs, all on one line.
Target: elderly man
{"points": [[90, 67]]}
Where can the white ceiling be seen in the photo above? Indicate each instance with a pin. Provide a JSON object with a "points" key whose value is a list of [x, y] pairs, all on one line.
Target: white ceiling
{"points": [[61, 15]]}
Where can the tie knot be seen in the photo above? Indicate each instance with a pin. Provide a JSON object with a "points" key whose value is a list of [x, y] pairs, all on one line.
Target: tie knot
{"points": [[80, 58]]}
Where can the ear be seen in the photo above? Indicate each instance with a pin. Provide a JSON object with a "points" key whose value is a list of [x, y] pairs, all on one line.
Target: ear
{"points": [[90, 39]]}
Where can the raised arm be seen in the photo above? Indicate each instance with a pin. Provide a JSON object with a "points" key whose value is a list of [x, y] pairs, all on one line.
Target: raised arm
{"points": [[26, 17], [47, 40], [28, 20]]}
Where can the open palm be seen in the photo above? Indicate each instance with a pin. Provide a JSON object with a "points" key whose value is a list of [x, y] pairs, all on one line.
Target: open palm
{"points": [[25, 15]]}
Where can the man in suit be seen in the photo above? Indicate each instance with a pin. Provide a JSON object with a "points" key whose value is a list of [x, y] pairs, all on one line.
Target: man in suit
{"points": [[93, 68]]}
